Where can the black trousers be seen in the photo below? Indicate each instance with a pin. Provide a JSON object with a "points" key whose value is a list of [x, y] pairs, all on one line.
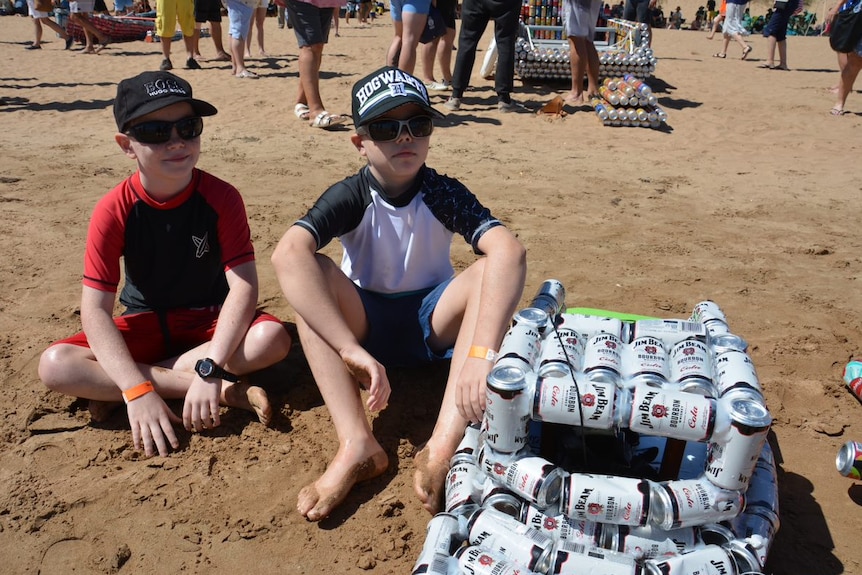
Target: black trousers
{"points": [[475, 15]]}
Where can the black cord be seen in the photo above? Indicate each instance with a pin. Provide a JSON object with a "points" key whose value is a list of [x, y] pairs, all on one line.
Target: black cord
{"points": [[572, 370]]}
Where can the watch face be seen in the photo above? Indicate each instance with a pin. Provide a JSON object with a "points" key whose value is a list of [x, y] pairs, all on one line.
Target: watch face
{"points": [[205, 368]]}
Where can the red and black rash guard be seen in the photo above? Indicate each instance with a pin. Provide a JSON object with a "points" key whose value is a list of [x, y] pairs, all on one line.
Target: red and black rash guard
{"points": [[175, 252], [398, 245]]}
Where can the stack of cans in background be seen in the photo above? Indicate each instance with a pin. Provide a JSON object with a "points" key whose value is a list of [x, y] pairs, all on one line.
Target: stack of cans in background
{"points": [[628, 101], [612, 446], [542, 51]]}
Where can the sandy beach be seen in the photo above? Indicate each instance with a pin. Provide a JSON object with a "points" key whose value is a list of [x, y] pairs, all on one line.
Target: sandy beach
{"points": [[749, 197]]}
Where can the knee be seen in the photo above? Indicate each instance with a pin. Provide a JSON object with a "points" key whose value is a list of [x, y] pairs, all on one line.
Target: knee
{"points": [[52, 366], [273, 337]]}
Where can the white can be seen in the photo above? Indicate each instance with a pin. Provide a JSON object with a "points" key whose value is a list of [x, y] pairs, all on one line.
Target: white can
{"points": [[735, 370], [562, 352], [499, 532], [646, 361], [670, 413], [648, 542], [603, 359], [463, 486], [443, 535], [565, 399], [670, 331], [561, 527], [690, 360], [738, 439], [606, 498], [708, 560], [475, 560], [507, 409], [533, 478], [687, 502], [577, 559]]}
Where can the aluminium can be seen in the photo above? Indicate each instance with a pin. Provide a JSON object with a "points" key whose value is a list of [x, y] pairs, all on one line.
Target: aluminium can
{"points": [[649, 541], [561, 527], [577, 559], [565, 399], [738, 440], [707, 310], [849, 460], [727, 342], [476, 560], [670, 331], [735, 370], [646, 361], [499, 532], [443, 535], [507, 409], [436, 564], [758, 528], [708, 560], [606, 498], [603, 359], [590, 325], [688, 502], [520, 346], [469, 445], [853, 377], [550, 297], [744, 556], [691, 364], [533, 478], [672, 413], [463, 489], [562, 352]]}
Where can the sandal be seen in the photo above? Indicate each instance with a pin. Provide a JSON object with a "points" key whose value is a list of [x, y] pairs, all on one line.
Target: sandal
{"points": [[301, 111], [247, 74], [325, 120], [746, 52], [837, 111], [719, 55]]}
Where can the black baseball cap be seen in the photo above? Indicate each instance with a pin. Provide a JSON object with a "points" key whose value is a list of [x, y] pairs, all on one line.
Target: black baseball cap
{"points": [[151, 91], [386, 89]]}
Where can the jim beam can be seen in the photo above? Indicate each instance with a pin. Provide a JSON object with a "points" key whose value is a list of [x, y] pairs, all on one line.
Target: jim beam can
{"points": [[444, 534], [687, 502], [738, 440], [576, 559], [562, 353], [565, 399], [744, 556], [463, 490], [507, 409], [708, 311], [707, 560], [603, 359], [476, 560], [646, 361], [550, 297], [533, 478], [849, 460], [469, 445], [590, 325], [670, 331], [735, 370], [520, 347], [561, 527], [648, 542], [670, 413], [727, 342], [502, 533], [606, 498], [691, 367], [757, 526]]}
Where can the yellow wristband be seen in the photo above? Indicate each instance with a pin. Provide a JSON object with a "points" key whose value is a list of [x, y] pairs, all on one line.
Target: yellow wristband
{"points": [[137, 391], [482, 353]]}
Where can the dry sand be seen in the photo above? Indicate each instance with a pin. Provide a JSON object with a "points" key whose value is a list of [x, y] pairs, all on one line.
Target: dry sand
{"points": [[750, 197]]}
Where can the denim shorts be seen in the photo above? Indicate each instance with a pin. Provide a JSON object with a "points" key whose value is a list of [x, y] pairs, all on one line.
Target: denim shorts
{"points": [[240, 16], [396, 7], [310, 23], [400, 325]]}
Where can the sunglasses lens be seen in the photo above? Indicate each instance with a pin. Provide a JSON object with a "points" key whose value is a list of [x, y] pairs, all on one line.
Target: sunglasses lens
{"points": [[159, 132], [388, 130], [384, 130], [421, 127]]}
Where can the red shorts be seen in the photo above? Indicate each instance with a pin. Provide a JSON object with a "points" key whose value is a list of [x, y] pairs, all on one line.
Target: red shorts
{"points": [[145, 337]]}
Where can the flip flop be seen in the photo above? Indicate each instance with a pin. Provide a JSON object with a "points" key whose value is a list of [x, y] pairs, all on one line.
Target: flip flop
{"points": [[719, 55], [325, 120], [301, 111], [837, 112], [768, 66], [746, 52], [247, 74]]}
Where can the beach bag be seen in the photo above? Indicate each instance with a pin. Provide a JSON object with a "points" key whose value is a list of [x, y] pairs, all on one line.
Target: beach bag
{"points": [[435, 26], [44, 5], [846, 30]]}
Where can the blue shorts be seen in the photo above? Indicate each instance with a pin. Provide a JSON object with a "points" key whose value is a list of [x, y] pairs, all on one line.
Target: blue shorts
{"points": [[310, 23], [240, 16], [400, 325], [396, 7]]}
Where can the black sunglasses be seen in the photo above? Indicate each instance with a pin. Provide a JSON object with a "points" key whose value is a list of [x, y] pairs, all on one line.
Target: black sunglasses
{"points": [[387, 129], [159, 131]]}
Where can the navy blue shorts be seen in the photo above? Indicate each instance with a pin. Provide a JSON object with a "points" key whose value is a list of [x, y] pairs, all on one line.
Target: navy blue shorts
{"points": [[310, 23], [400, 325], [637, 11]]}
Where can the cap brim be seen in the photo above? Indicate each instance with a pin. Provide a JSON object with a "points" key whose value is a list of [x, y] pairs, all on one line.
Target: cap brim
{"points": [[200, 107]]}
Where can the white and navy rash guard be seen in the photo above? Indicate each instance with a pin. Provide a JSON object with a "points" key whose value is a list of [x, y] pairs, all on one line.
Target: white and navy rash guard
{"points": [[398, 245]]}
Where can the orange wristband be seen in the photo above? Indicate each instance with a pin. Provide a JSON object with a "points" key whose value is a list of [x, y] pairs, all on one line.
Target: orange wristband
{"points": [[137, 391], [482, 353]]}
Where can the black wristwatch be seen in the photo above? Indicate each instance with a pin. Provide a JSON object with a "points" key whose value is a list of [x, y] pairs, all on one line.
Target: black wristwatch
{"points": [[208, 368]]}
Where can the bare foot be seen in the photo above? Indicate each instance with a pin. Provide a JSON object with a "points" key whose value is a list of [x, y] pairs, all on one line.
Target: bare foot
{"points": [[429, 480], [250, 398], [101, 410], [573, 99], [317, 500]]}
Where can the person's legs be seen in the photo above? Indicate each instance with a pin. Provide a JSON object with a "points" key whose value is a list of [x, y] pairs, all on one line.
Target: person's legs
{"points": [[849, 72], [240, 17], [359, 456], [428, 53], [782, 54], [593, 65], [37, 31], [310, 58], [578, 64], [444, 55], [474, 20], [412, 25], [215, 33], [453, 321], [506, 33]]}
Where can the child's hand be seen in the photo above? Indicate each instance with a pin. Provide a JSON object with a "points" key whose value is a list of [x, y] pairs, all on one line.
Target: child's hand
{"points": [[151, 421], [201, 407], [370, 374], [470, 390]]}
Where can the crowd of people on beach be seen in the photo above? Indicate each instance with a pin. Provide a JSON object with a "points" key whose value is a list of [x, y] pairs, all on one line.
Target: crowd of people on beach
{"points": [[192, 331]]}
